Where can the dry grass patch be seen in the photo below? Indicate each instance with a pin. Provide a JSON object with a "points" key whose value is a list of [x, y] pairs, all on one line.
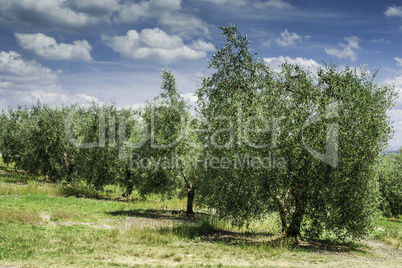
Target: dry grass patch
{"points": [[18, 189], [149, 236], [60, 214], [22, 216]]}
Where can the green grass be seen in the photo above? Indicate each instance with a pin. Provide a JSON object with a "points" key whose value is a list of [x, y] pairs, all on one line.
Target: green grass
{"points": [[82, 246], [44, 225], [389, 231], [41, 226]]}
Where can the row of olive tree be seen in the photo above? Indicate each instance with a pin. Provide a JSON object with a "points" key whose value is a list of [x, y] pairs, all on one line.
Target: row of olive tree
{"points": [[66, 143], [292, 142], [104, 145], [33, 139]]}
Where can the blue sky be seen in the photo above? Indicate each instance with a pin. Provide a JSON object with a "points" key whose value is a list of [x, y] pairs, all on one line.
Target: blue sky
{"points": [[64, 51]]}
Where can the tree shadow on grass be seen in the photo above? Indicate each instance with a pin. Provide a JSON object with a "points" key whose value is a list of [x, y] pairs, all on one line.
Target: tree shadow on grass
{"points": [[199, 226], [244, 238], [332, 246], [279, 241], [160, 214]]}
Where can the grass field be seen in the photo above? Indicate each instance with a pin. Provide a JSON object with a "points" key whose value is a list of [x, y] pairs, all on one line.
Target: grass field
{"points": [[43, 225]]}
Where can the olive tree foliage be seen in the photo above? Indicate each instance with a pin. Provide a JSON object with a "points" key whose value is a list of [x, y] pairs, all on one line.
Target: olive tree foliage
{"points": [[34, 140], [162, 157], [69, 143], [99, 133], [389, 170], [292, 142]]}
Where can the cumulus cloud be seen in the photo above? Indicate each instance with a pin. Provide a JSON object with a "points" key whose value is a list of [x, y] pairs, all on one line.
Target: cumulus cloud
{"points": [[46, 47], [202, 45], [275, 63], [40, 15], [92, 7], [130, 12], [278, 4], [190, 97], [287, 39], [348, 49], [155, 45], [23, 82], [45, 14], [398, 61], [393, 11], [184, 24], [232, 2], [168, 14]]}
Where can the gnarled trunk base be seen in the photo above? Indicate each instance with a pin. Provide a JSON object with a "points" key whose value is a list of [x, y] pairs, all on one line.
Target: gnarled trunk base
{"points": [[190, 199]]}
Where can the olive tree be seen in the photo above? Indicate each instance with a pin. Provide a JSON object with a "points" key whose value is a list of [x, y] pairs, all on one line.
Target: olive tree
{"points": [[293, 142], [34, 139], [390, 178], [11, 132], [163, 155], [98, 132]]}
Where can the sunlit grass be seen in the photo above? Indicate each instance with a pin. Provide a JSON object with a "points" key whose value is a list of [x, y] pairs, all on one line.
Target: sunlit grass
{"points": [[21, 216], [45, 225], [390, 232], [83, 246], [28, 189]]}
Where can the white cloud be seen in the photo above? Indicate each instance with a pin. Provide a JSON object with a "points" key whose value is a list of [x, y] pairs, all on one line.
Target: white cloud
{"points": [[380, 40], [278, 4], [202, 45], [393, 11], [92, 7], [77, 14], [41, 15], [184, 24], [136, 106], [398, 61], [155, 45], [47, 14], [348, 49], [23, 82], [396, 113], [168, 15], [397, 81], [232, 2], [190, 97], [46, 47], [275, 63], [132, 12], [19, 73], [287, 39]]}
